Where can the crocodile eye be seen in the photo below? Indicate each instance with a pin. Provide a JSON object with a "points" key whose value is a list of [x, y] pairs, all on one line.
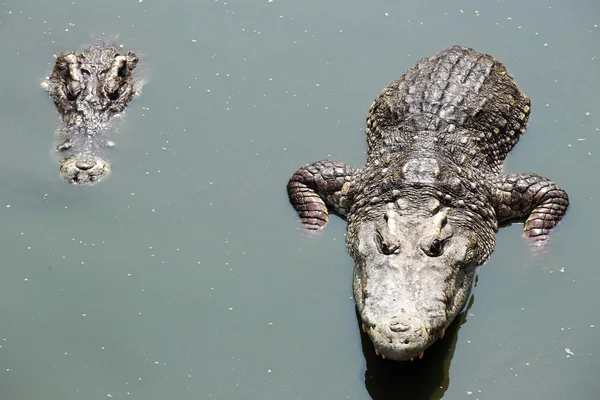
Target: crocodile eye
{"points": [[85, 72], [73, 89], [112, 89], [435, 248], [384, 247], [115, 89]]}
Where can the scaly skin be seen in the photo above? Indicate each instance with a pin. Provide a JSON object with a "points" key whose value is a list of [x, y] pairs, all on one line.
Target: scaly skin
{"points": [[424, 211], [327, 178], [89, 90]]}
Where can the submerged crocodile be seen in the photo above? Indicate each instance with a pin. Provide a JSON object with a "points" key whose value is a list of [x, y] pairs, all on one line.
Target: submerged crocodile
{"points": [[89, 90], [424, 211]]}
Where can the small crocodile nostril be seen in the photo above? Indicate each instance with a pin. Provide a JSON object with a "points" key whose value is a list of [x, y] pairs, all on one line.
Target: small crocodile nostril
{"points": [[84, 165]]}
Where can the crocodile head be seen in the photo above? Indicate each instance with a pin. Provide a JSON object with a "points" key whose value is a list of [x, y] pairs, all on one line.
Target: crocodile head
{"points": [[414, 268], [90, 88]]}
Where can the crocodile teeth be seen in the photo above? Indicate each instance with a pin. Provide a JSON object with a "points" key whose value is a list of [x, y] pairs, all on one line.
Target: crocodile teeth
{"points": [[412, 359], [364, 328], [443, 333], [428, 331], [421, 354], [383, 356], [377, 352]]}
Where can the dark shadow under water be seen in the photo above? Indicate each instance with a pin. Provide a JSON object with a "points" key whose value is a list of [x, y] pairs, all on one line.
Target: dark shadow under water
{"points": [[425, 379]]}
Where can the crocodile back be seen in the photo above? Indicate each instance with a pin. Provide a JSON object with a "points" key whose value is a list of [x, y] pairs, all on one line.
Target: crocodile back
{"points": [[459, 103]]}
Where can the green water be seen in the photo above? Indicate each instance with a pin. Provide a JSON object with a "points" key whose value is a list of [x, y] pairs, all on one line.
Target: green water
{"points": [[183, 275]]}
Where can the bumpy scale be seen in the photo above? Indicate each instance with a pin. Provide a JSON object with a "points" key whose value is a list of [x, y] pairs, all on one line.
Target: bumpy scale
{"points": [[424, 211]]}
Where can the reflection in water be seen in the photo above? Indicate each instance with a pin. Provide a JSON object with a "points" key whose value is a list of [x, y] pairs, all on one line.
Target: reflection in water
{"points": [[427, 378]]}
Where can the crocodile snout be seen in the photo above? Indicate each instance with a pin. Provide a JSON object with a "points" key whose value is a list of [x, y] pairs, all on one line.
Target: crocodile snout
{"points": [[402, 336], [403, 333], [83, 170]]}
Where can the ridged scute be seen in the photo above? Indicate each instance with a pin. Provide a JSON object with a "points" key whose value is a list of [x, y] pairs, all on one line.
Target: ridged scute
{"points": [[460, 97]]}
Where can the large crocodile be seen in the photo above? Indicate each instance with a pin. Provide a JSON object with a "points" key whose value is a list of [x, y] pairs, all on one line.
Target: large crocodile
{"points": [[424, 211], [89, 90]]}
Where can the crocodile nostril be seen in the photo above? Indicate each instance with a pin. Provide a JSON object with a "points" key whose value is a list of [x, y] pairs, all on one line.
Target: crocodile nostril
{"points": [[84, 165], [399, 325]]}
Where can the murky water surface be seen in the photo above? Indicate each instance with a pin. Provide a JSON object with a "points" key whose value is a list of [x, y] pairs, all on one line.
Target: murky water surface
{"points": [[183, 275]]}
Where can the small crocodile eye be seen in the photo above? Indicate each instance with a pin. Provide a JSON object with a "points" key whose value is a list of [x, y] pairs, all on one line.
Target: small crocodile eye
{"points": [[435, 248], [384, 247], [73, 89]]}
